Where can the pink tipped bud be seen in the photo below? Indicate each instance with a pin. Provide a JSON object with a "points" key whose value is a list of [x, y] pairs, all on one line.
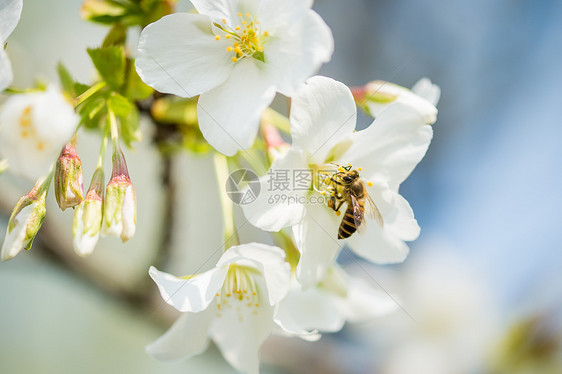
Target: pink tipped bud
{"points": [[68, 178], [120, 207], [88, 217], [25, 221]]}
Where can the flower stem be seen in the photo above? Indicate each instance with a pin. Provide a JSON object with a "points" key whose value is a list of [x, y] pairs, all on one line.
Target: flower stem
{"points": [[88, 93], [222, 172], [103, 147]]}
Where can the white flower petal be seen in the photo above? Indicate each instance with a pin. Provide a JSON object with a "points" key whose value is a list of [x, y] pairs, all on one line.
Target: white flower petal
{"points": [[129, 214], [83, 243], [313, 309], [188, 336], [178, 54], [427, 90], [322, 113], [35, 126], [240, 331], [270, 262], [296, 53], [6, 75], [365, 303], [14, 240], [189, 295], [229, 115], [392, 146], [317, 239], [275, 206], [10, 13], [225, 9], [386, 245], [274, 13]]}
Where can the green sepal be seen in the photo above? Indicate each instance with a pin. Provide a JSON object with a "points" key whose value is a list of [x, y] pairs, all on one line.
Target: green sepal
{"points": [[130, 127]]}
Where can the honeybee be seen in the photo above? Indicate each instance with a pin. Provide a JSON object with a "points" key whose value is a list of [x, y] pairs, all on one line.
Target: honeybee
{"points": [[348, 188]]}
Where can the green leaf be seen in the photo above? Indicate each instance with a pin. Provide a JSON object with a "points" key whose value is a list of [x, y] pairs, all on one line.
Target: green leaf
{"points": [[119, 105], [135, 88], [110, 63], [116, 36], [92, 110], [130, 127], [80, 88], [66, 80]]}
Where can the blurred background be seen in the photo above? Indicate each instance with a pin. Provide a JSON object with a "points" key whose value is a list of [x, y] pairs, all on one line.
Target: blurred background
{"points": [[482, 289]]}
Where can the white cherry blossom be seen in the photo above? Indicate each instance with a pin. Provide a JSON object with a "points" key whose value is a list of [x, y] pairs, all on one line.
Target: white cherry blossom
{"points": [[232, 304], [10, 12], [236, 54], [33, 129], [327, 306], [323, 116]]}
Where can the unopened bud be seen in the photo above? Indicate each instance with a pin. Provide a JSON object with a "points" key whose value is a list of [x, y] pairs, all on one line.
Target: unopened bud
{"points": [[25, 221], [88, 217], [377, 95], [68, 178], [120, 206]]}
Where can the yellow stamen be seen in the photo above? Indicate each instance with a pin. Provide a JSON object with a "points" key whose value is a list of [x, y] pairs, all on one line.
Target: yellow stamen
{"points": [[370, 184], [229, 49], [239, 14], [223, 20], [237, 28], [338, 213], [238, 50], [359, 169], [248, 15], [234, 59], [217, 37], [228, 36]]}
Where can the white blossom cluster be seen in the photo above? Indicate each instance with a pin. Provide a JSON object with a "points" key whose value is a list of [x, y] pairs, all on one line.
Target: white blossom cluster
{"points": [[235, 55]]}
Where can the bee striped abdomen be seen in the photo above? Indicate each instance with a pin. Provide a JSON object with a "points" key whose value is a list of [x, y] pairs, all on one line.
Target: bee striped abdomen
{"points": [[347, 226]]}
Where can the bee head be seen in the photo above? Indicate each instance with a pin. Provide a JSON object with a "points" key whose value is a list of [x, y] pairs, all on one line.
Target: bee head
{"points": [[351, 176]]}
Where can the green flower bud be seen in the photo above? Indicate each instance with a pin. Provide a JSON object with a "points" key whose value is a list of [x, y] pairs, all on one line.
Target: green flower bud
{"points": [[25, 221], [120, 207], [68, 178], [88, 217]]}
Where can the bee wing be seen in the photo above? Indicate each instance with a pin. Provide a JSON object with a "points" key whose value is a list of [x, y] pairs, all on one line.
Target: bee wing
{"points": [[358, 215], [372, 211]]}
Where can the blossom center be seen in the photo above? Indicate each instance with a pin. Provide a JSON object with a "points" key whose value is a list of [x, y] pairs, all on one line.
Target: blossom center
{"points": [[238, 291], [247, 37], [27, 130]]}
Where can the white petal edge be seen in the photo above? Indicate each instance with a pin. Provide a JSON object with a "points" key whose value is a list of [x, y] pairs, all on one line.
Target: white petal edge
{"points": [[275, 209], [322, 113], [317, 239], [427, 90], [229, 115], [10, 13], [178, 54], [310, 310], [188, 336], [392, 146], [239, 332], [14, 240], [364, 303], [296, 53], [129, 214], [189, 295]]}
